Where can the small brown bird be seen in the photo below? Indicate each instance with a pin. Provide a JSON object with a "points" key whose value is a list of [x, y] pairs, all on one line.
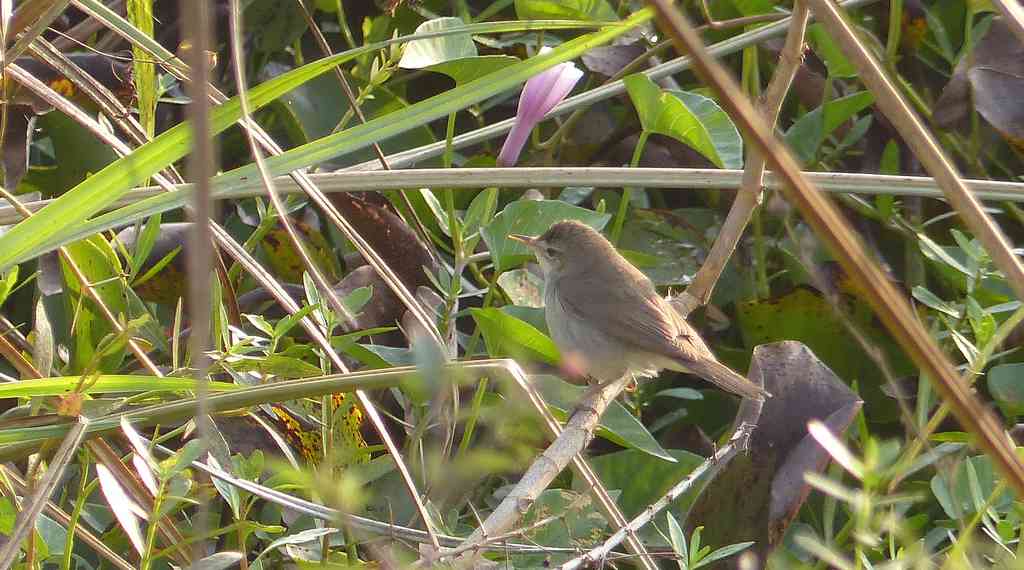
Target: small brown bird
{"points": [[602, 311]]}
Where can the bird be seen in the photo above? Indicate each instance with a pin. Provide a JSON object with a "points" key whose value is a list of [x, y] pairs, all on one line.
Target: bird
{"points": [[603, 313]]}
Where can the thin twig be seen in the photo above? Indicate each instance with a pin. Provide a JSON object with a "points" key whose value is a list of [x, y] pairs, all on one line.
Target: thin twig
{"points": [[712, 465], [576, 433]]}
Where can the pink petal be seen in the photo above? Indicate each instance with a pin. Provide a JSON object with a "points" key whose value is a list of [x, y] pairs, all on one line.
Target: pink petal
{"points": [[514, 143], [566, 78]]}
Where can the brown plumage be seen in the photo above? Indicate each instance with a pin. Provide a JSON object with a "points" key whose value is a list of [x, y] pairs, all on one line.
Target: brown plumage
{"points": [[609, 314]]}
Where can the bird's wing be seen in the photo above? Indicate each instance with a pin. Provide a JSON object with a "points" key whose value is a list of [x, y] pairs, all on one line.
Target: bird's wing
{"points": [[652, 325], [634, 315]]}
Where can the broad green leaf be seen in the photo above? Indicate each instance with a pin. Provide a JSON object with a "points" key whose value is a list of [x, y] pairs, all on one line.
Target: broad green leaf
{"points": [[506, 335], [424, 53], [809, 132], [664, 113], [106, 383], [678, 539], [532, 218], [617, 424], [564, 10], [753, 7], [45, 232], [278, 365], [314, 109], [804, 315], [470, 68], [1006, 383], [825, 48], [724, 135], [101, 266], [77, 151]]}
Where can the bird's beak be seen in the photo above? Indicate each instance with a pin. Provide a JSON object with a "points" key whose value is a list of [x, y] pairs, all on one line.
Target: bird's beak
{"points": [[525, 240]]}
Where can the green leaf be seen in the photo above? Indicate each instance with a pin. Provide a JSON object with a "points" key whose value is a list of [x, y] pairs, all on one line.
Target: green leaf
{"points": [[424, 53], [7, 283], [983, 324], [277, 365], [480, 212], [724, 552], [753, 7], [467, 69], [681, 393], [953, 490], [933, 301], [825, 48], [675, 533], [101, 266], [506, 335], [724, 135], [107, 383], [530, 217], [45, 233], [564, 10], [809, 132], [1006, 383], [667, 113]]}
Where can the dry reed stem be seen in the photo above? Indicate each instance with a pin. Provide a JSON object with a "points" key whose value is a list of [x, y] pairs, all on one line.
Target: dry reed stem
{"points": [[827, 221], [25, 521], [921, 142], [64, 519]]}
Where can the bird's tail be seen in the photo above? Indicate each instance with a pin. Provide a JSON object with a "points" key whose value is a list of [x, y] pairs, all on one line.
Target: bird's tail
{"points": [[723, 377]]}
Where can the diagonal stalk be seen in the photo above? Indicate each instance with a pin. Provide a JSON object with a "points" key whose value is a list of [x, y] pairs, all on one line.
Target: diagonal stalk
{"points": [[827, 221]]}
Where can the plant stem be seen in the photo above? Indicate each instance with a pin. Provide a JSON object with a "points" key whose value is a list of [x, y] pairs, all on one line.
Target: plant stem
{"points": [[620, 217]]}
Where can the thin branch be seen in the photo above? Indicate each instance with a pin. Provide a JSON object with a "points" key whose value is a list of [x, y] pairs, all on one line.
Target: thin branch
{"points": [[827, 221], [582, 468], [712, 465], [576, 434]]}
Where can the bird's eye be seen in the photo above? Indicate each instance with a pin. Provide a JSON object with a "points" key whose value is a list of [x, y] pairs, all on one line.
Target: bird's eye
{"points": [[551, 251]]}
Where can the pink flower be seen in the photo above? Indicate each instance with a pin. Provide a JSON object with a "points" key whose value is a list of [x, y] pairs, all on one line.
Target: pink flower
{"points": [[542, 92]]}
